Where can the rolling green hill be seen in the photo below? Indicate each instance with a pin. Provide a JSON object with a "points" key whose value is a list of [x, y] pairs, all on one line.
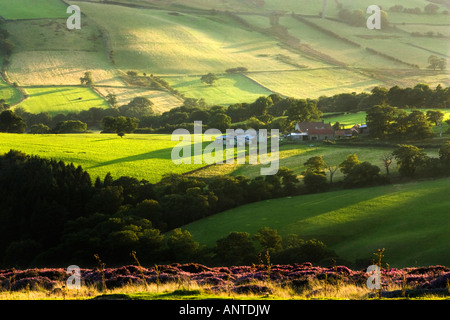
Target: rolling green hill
{"points": [[24, 9], [141, 156], [304, 56], [409, 220], [63, 100]]}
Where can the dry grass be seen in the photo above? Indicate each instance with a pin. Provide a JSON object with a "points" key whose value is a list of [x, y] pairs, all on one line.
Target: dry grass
{"points": [[187, 289], [162, 101], [60, 68]]}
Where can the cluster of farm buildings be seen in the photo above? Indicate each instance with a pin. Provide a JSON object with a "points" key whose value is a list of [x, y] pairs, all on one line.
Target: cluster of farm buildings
{"points": [[304, 131], [317, 131]]}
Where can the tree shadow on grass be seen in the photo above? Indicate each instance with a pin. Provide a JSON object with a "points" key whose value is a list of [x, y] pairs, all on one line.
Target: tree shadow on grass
{"points": [[165, 154], [42, 93]]}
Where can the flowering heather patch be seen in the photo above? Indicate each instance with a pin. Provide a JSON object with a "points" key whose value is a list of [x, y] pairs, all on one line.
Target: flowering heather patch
{"points": [[238, 279]]}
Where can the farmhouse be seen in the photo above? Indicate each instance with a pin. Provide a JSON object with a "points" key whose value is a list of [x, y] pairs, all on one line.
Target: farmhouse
{"points": [[314, 131], [347, 133]]}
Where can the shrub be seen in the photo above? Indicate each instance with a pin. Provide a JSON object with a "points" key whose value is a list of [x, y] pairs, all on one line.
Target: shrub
{"points": [[315, 181], [70, 126], [39, 129]]}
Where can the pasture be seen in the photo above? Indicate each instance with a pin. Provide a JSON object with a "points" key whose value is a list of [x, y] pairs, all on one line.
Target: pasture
{"points": [[408, 220], [142, 156], [229, 89], [8, 93], [47, 68], [313, 83], [163, 43], [293, 156], [348, 120], [162, 100], [62, 99], [23, 9]]}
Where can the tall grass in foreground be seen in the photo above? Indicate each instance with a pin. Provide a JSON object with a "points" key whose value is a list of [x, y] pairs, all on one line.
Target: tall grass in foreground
{"points": [[317, 290]]}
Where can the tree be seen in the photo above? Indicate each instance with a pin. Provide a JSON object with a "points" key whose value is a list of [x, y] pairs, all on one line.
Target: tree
{"points": [[87, 80], [349, 163], [315, 181], [408, 158], [6, 45], [378, 119], [39, 129], [436, 62], [255, 123], [181, 245], [363, 174], [300, 110], [151, 241], [259, 107], [236, 248], [111, 99], [419, 127], [332, 170], [137, 108], [12, 123], [288, 180], [315, 164], [70, 126], [120, 125], [269, 239], [431, 8], [132, 73], [220, 121], [3, 105], [444, 153], [379, 96], [387, 161], [209, 78], [126, 125], [435, 116]]}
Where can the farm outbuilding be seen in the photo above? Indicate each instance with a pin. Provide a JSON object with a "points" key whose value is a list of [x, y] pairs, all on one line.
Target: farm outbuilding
{"points": [[313, 131]]}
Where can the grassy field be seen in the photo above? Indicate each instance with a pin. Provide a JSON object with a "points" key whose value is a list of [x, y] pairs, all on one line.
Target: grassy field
{"points": [[63, 100], [47, 68], [162, 100], [181, 44], [155, 41], [313, 83], [409, 220], [350, 119], [23, 9], [229, 89], [141, 156], [293, 156], [8, 93], [47, 53], [336, 48]]}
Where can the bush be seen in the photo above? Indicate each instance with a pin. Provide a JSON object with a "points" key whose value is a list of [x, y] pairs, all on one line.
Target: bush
{"points": [[306, 251], [315, 182], [70, 126], [39, 129], [363, 174]]}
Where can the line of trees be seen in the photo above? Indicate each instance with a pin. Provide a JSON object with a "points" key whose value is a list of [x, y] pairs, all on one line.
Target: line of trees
{"points": [[412, 163], [6, 45], [419, 96], [52, 213], [270, 112], [385, 121]]}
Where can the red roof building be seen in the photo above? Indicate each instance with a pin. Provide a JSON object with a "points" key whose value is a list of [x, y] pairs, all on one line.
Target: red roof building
{"points": [[315, 130]]}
